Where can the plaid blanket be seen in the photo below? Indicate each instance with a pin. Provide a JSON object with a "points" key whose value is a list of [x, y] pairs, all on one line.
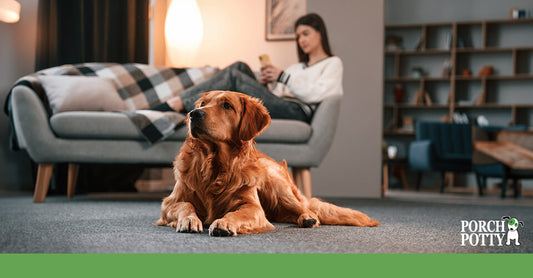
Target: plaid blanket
{"points": [[139, 86]]}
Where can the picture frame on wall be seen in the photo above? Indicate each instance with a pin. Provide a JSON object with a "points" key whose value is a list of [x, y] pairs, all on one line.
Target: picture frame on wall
{"points": [[281, 16]]}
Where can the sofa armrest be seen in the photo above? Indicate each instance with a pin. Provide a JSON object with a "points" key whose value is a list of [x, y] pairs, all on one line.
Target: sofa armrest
{"points": [[31, 123], [312, 152], [324, 124], [421, 155]]}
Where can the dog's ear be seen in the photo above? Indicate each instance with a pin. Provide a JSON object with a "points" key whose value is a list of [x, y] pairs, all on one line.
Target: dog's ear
{"points": [[254, 119]]}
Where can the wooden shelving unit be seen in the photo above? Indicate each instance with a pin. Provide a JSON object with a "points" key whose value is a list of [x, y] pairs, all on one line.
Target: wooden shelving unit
{"points": [[506, 45]]}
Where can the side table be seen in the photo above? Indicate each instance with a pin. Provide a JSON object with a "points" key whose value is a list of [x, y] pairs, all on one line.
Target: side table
{"points": [[388, 165]]}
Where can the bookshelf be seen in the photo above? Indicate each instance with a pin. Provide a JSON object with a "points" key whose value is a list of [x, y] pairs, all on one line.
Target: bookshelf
{"points": [[443, 52]]}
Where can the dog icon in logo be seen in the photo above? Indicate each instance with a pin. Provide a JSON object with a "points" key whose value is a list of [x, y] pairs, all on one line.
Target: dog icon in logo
{"points": [[513, 224]]}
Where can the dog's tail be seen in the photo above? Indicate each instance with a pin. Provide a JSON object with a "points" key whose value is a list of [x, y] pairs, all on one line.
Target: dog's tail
{"points": [[333, 215]]}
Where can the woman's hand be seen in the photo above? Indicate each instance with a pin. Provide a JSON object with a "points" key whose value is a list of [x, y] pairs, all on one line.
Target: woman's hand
{"points": [[269, 73]]}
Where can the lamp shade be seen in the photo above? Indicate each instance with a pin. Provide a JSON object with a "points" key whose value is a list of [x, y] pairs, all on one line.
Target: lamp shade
{"points": [[9, 11], [183, 32]]}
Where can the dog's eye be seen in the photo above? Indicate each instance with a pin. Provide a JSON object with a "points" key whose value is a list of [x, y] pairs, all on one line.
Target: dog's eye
{"points": [[227, 105], [202, 104]]}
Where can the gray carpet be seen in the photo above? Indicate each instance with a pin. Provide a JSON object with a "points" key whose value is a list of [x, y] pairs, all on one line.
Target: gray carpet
{"points": [[97, 225]]}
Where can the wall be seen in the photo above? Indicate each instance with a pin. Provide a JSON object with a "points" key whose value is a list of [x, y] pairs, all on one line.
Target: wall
{"points": [[352, 167], [235, 30], [418, 11], [17, 56]]}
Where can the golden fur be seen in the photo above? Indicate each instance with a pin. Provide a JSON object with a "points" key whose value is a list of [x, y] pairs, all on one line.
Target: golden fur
{"points": [[224, 182]]}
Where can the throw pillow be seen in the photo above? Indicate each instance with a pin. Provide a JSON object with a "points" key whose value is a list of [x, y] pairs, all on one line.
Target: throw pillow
{"points": [[81, 93]]}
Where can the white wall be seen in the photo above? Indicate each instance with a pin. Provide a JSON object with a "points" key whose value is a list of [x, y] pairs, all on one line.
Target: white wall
{"points": [[235, 30], [352, 167]]}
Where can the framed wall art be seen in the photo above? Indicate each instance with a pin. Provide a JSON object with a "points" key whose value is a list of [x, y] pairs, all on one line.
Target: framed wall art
{"points": [[281, 16]]}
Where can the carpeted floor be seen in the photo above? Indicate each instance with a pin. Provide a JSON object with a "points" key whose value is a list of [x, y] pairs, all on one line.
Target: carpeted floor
{"points": [[89, 224]]}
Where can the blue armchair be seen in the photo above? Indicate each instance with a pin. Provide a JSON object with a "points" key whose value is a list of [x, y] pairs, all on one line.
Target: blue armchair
{"points": [[442, 147]]}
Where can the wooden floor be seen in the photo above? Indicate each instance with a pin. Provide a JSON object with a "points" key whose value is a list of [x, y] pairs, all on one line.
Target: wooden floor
{"points": [[491, 198]]}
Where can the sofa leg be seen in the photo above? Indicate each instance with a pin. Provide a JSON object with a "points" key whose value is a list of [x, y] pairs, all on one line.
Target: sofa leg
{"points": [[44, 173], [297, 178], [302, 178], [73, 169]]}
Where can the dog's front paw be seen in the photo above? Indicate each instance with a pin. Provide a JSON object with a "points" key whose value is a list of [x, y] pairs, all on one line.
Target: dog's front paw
{"points": [[222, 228], [308, 221], [190, 224]]}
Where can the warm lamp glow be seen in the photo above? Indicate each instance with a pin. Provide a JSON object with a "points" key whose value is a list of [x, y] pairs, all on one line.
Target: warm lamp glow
{"points": [[9, 11], [183, 32]]}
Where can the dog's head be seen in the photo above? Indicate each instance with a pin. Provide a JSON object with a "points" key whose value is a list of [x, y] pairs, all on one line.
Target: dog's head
{"points": [[227, 116], [513, 223]]}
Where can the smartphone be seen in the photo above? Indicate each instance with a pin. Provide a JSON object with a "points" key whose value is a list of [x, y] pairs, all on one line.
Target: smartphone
{"points": [[264, 59]]}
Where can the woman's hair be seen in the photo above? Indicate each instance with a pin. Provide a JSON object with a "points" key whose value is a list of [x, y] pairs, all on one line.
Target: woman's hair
{"points": [[315, 21]]}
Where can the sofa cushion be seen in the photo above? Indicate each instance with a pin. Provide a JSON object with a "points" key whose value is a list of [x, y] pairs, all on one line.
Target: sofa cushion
{"points": [[111, 125]]}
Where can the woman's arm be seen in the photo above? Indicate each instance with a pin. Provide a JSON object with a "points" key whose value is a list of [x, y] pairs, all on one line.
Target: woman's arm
{"points": [[269, 73], [313, 88]]}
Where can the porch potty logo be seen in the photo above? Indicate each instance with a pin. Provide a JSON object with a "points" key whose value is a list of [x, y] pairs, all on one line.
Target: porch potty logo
{"points": [[490, 233]]}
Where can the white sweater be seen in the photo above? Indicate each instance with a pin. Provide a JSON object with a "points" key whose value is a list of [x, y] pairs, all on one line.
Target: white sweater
{"points": [[311, 84]]}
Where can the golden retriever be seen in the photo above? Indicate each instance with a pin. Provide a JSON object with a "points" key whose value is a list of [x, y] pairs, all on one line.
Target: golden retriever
{"points": [[224, 182]]}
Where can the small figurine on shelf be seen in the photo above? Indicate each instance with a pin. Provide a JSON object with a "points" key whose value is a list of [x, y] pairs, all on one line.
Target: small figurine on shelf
{"points": [[417, 72], [447, 69], [422, 97], [480, 99], [486, 71], [392, 151], [420, 44], [399, 92], [408, 124], [445, 119], [394, 43], [460, 118], [482, 120], [516, 13], [467, 73]]}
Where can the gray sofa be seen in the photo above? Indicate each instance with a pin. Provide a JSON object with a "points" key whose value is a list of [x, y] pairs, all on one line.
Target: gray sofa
{"points": [[107, 137]]}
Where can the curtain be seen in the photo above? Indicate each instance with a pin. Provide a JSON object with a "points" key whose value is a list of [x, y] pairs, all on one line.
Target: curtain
{"points": [[78, 31]]}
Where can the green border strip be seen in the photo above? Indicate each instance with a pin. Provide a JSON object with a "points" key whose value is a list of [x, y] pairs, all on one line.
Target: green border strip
{"points": [[260, 265]]}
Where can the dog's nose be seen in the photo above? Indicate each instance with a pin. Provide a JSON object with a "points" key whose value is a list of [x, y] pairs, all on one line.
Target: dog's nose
{"points": [[196, 114]]}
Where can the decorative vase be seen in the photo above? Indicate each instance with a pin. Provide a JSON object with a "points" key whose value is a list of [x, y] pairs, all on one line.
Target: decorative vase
{"points": [[399, 93]]}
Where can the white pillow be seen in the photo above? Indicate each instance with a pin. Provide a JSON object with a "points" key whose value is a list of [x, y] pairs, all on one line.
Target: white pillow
{"points": [[81, 93]]}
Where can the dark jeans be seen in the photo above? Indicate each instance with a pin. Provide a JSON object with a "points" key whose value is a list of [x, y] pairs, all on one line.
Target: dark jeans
{"points": [[239, 77]]}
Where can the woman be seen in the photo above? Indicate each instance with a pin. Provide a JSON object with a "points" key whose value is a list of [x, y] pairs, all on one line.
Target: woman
{"points": [[297, 90]]}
